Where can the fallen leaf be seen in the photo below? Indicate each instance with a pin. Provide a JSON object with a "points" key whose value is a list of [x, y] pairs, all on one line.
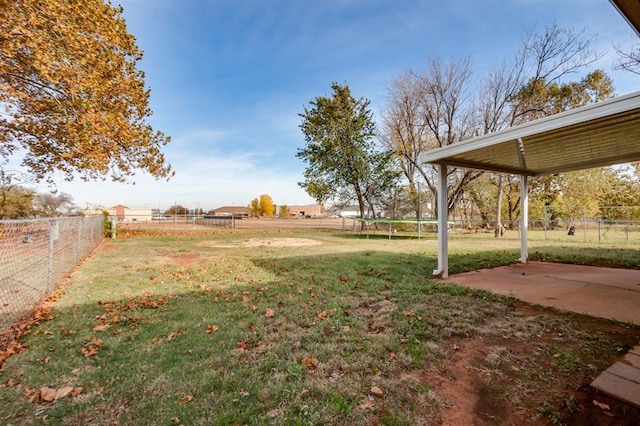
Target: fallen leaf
{"points": [[321, 315], [96, 342], [601, 405], [366, 405], [186, 398], [269, 313], [212, 329], [101, 327], [241, 346], [49, 394], [64, 391], [89, 351], [310, 362], [376, 391], [14, 348]]}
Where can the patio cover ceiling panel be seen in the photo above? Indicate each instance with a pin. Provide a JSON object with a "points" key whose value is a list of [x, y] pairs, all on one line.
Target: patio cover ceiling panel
{"points": [[601, 134], [630, 10]]}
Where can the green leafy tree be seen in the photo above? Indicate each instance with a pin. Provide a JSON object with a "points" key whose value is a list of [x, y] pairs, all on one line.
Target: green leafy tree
{"points": [[341, 157], [107, 224], [73, 99]]}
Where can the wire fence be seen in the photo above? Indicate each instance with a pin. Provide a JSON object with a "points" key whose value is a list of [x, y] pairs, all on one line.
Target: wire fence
{"points": [[589, 229], [37, 254]]}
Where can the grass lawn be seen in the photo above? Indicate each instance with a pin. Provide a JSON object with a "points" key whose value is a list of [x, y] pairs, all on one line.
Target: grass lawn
{"points": [[306, 328]]}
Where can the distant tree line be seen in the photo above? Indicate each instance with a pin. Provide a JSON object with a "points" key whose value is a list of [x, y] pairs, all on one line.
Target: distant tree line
{"points": [[18, 201]]}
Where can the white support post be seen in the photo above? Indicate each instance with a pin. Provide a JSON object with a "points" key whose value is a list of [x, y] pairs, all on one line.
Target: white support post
{"points": [[524, 217], [443, 226]]}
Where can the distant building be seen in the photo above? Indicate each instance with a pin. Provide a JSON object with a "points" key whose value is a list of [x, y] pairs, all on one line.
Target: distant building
{"points": [[308, 210], [230, 211], [122, 213], [347, 211]]}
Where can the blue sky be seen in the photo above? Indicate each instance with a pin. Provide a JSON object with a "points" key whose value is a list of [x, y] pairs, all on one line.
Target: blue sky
{"points": [[228, 78]]}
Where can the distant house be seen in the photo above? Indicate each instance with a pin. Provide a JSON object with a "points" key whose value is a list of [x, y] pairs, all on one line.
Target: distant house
{"points": [[308, 210], [122, 213], [137, 214], [119, 211], [348, 211], [230, 211]]}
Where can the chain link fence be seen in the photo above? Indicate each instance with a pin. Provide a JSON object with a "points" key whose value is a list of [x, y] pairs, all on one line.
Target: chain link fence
{"points": [[35, 255]]}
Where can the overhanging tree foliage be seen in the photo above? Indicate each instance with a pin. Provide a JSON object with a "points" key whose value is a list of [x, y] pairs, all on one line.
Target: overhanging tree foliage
{"points": [[72, 98], [342, 161]]}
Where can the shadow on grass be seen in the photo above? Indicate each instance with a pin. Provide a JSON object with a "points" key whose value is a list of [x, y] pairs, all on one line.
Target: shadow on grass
{"points": [[627, 258], [278, 338], [382, 235], [240, 352]]}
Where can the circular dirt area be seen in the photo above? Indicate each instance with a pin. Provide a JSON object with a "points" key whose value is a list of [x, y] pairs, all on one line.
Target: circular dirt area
{"points": [[270, 242]]}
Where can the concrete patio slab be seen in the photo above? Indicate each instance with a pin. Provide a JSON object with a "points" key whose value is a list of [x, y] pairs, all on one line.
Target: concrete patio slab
{"points": [[610, 293]]}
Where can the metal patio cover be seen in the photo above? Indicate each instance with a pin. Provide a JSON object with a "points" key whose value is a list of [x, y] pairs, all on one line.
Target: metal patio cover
{"points": [[630, 10], [600, 134]]}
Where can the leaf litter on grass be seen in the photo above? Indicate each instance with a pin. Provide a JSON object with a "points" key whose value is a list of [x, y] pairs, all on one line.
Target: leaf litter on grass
{"points": [[308, 338]]}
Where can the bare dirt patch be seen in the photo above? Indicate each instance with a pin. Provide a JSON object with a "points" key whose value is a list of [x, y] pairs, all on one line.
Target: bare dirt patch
{"points": [[260, 242], [508, 375], [184, 259]]}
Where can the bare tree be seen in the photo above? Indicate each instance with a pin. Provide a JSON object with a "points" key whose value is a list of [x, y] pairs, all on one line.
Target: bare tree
{"points": [[51, 204], [404, 131], [629, 60], [518, 93], [441, 106], [428, 110], [547, 58]]}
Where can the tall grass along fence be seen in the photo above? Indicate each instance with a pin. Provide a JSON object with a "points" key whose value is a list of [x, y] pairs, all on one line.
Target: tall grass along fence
{"points": [[35, 255]]}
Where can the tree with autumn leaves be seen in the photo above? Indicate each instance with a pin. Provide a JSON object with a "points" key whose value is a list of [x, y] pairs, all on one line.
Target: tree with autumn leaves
{"points": [[262, 206], [73, 100]]}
